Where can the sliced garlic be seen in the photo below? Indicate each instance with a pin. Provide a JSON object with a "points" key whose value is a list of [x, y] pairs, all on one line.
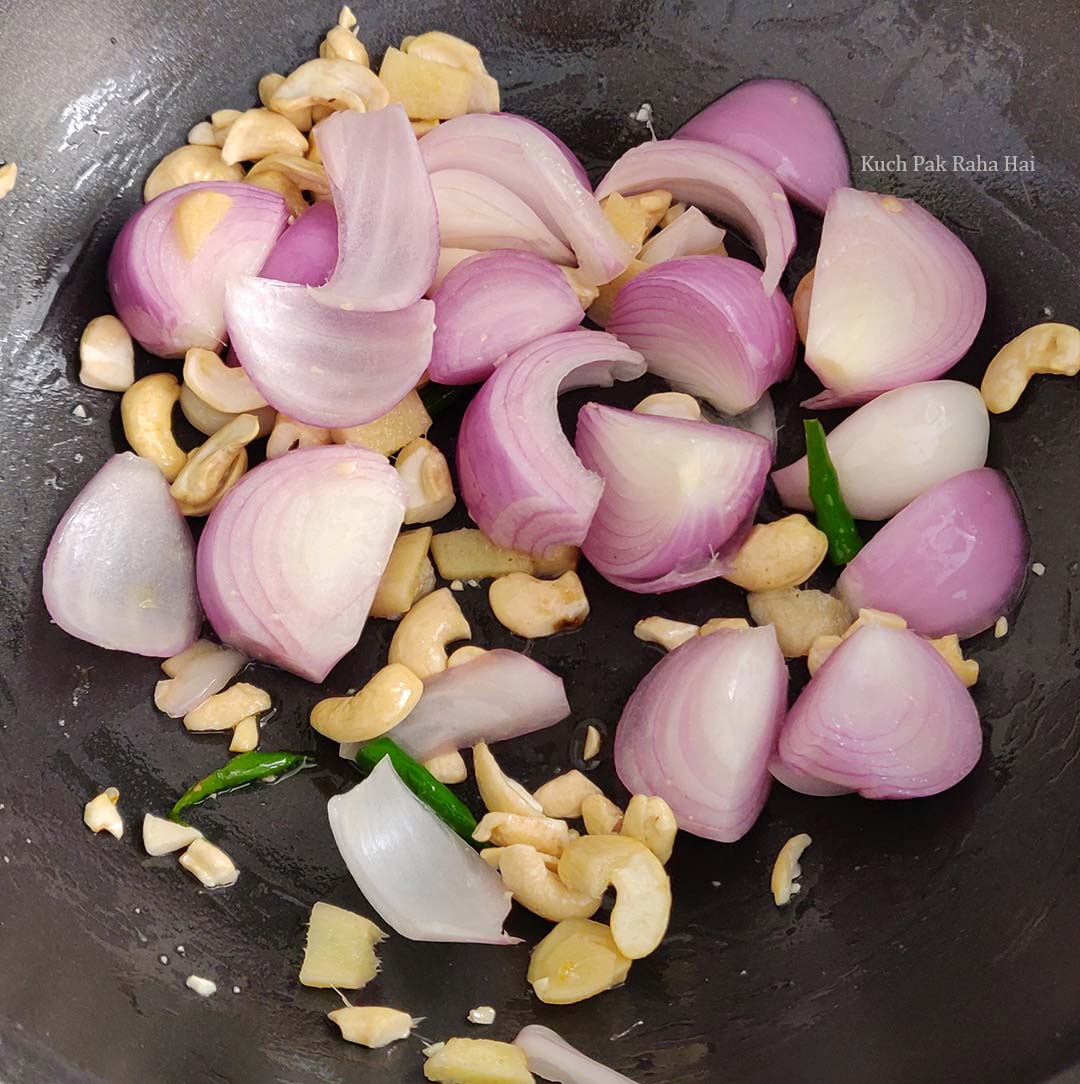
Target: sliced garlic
{"points": [[161, 836]]}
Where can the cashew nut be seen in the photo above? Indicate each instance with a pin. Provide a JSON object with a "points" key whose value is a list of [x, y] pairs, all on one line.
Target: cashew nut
{"points": [[714, 624], [261, 132], [245, 735], [498, 791], [341, 44], [146, 413], [586, 294], [273, 181], [563, 795], [300, 116], [223, 711], [346, 18], [820, 650], [665, 632], [106, 355], [601, 815], [379, 706], [429, 490], [337, 84], [1044, 348], [215, 466], [779, 554], [289, 434], [209, 864], [403, 580], [196, 216], [465, 654], [800, 304], [208, 420], [505, 829], [786, 869], [8, 174], [670, 404], [221, 120], [532, 608], [535, 886], [421, 128], [373, 1026], [101, 815], [186, 165], [268, 86], [308, 176], [448, 767], [591, 748], [948, 647], [426, 88], [202, 134], [455, 53], [639, 918], [649, 820], [224, 387], [799, 617], [823, 646], [421, 637], [577, 960], [390, 433], [869, 616]]}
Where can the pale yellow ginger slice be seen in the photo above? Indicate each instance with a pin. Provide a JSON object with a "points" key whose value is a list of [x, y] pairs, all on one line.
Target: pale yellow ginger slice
{"points": [[390, 433], [340, 949], [373, 1026], [478, 1061]]}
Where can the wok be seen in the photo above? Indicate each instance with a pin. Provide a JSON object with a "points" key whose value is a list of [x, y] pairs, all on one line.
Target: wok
{"points": [[934, 941]]}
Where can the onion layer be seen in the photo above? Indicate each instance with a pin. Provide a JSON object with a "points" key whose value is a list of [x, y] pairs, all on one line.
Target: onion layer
{"points": [[677, 495], [120, 568], [550, 1056], [699, 729], [784, 127], [884, 716], [952, 561], [898, 446], [290, 558], [897, 298], [321, 365], [307, 251], [397, 851], [520, 479], [704, 325], [490, 305], [723, 182], [171, 300]]}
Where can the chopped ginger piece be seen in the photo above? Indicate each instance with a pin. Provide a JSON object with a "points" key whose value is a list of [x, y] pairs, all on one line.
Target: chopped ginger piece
{"points": [[427, 89], [467, 555], [340, 949], [635, 217], [372, 1025], [478, 1061], [401, 583], [390, 433]]}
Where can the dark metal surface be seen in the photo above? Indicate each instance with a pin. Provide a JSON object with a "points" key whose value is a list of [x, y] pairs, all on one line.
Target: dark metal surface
{"points": [[934, 941]]}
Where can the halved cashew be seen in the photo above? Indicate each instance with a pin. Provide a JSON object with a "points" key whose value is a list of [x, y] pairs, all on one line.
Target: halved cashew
{"points": [[223, 711], [196, 216], [601, 815], [800, 304], [390, 433], [465, 654], [426, 88], [209, 864], [535, 886], [635, 217], [289, 191], [786, 869], [1044, 348], [261, 132], [245, 735], [403, 579], [498, 791], [505, 829], [948, 647], [379, 706], [649, 820], [372, 1026], [820, 650], [577, 960], [456, 53], [268, 86], [784, 553], [208, 420], [308, 176], [670, 404], [215, 467], [448, 767], [563, 795], [420, 639], [101, 815], [532, 607], [665, 632], [715, 624], [289, 434], [9, 171], [341, 44], [642, 908], [106, 355], [224, 387], [429, 490], [221, 120], [202, 134], [188, 164], [799, 617], [337, 84], [146, 412]]}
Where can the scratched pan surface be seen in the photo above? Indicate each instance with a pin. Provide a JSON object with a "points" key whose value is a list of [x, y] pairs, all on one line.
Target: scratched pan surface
{"points": [[934, 941]]}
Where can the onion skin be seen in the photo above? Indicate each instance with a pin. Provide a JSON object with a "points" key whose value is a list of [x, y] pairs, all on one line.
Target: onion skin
{"points": [[169, 303], [120, 568], [520, 479], [952, 561], [700, 728], [898, 298], [784, 127], [884, 716], [897, 446], [491, 305], [678, 495], [703, 323]]}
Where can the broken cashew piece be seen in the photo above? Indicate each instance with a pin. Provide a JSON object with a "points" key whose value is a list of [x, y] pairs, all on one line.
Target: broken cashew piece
{"points": [[289, 434], [455, 53], [9, 172], [106, 355], [209, 864], [215, 466], [538, 888], [421, 637], [533, 607], [642, 908], [223, 711], [784, 553], [665, 632], [1044, 348], [146, 412], [389, 433], [820, 650], [336, 84], [306, 175], [715, 624], [379, 706], [498, 791], [406, 579], [448, 767], [101, 815], [591, 748], [341, 44], [563, 795], [258, 133], [223, 387], [800, 304], [948, 647], [245, 735], [649, 820], [505, 829], [372, 1026], [577, 960], [670, 404], [601, 815], [428, 487], [786, 869], [188, 164], [465, 654], [208, 420]]}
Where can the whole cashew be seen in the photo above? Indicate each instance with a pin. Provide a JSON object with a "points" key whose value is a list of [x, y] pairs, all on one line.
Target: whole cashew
{"points": [[223, 387], [421, 637], [464, 654], [258, 133], [535, 886], [146, 412], [202, 134], [779, 554], [1044, 348], [215, 466], [498, 791], [532, 607], [650, 820], [188, 164], [378, 707]]}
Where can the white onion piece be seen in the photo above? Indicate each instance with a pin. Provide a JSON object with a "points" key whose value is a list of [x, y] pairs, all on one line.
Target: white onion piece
{"points": [[479, 213], [421, 877], [678, 496], [691, 234], [520, 479], [522, 157], [885, 716], [897, 446], [498, 695], [720, 181], [120, 568], [388, 235], [700, 728], [201, 677], [759, 419], [321, 365], [897, 298], [550, 1056], [290, 558]]}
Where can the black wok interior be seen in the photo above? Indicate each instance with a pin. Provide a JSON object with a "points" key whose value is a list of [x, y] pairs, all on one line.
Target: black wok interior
{"points": [[934, 941]]}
